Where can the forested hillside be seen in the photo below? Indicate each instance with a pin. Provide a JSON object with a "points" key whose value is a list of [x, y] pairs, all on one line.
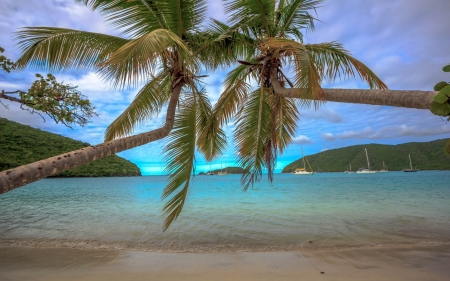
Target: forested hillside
{"points": [[229, 170], [424, 155], [21, 144]]}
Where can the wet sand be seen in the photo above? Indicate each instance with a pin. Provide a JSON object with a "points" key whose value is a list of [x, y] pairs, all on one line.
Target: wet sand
{"points": [[419, 262]]}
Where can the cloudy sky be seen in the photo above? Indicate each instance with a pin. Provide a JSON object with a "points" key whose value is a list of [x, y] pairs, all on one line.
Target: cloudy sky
{"points": [[405, 42]]}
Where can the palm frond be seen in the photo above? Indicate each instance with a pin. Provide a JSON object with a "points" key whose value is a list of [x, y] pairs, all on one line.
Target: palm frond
{"points": [[211, 139], [185, 15], [147, 103], [134, 17], [234, 95], [251, 135], [179, 156], [55, 49], [332, 61], [258, 12], [294, 16], [284, 120], [306, 77], [222, 45], [137, 59]]}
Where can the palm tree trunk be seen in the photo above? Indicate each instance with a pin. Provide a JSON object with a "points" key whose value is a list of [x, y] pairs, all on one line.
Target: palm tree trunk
{"points": [[398, 98], [20, 176]]}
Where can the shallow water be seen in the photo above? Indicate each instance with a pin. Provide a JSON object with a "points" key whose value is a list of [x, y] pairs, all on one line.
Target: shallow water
{"points": [[328, 209]]}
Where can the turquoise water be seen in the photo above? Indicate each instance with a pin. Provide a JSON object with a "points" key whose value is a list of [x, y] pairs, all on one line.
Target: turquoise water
{"points": [[330, 209]]}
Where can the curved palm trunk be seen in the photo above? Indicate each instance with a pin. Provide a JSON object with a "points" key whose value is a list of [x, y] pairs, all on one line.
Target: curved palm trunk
{"points": [[398, 98], [20, 176]]}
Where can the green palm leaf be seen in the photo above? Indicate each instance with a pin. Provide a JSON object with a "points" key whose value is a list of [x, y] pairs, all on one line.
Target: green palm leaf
{"points": [[211, 140], [179, 156], [284, 120], [56, 49], [333, 61], [235, 94], [293, 16], [251, 135], [258, 12], [147, 103], [134, 17], [307, 79], [140, 57], [222, 45]]}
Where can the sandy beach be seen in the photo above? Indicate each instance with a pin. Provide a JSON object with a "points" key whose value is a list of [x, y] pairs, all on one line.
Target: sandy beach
{"points": [[418, 262]]}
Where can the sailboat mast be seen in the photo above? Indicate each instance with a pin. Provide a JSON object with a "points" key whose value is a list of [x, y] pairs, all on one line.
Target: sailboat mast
{"points": [[410, 164], [303, 156], [367, 157]]}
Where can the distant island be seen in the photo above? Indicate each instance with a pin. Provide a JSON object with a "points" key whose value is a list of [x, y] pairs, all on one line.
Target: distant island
{"points": [[21, 144], [424, 155], [229, 170]]}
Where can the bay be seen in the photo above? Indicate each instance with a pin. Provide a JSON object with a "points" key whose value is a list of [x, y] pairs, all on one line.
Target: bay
{"points": [[320, 211]]}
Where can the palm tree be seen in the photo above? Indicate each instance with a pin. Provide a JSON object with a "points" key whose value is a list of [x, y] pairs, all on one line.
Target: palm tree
{"points": [[158, 51], [265, 37]]}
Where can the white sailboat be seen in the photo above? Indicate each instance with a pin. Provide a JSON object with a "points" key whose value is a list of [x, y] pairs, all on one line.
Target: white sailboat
{"points": [[222, 173], [350, 171], [210, 172], [384, 170], [303, 171], [368, 170], [410, 166]]}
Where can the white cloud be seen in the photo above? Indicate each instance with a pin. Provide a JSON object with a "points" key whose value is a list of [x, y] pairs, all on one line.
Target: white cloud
{"points": [[322, 113], [300, 139], [387, 132], [328, 136]]}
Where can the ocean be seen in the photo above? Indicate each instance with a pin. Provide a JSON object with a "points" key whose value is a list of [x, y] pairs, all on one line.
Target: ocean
{"points": [[322, 211]]}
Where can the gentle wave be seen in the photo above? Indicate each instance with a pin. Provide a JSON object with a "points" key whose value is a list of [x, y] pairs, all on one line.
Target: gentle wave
{"points": [[201, 248]]}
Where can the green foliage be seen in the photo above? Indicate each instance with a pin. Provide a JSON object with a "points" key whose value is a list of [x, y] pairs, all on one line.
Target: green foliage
{"points": [[440, 85], [441, 102], [229, 170], [6, 64], [425, 156], [22, 144], [447, 147], [63, 103]]}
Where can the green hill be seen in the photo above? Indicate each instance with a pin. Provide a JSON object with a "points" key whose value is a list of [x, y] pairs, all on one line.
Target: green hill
{"points": [[229, 170], [21, 144], [424, 155]]}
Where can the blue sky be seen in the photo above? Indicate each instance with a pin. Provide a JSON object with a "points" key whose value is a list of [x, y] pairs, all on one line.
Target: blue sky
{"points": [[405, 42]]}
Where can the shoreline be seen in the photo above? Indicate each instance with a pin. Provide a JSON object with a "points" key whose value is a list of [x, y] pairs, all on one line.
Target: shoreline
{"points": [[425, 262], [309, 246]]}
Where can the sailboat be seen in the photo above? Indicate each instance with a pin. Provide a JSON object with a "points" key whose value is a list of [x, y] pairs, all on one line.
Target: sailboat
{"points": [[410, 166], [350, 171], [384, 170], [368, 170], [222, 173], [303, 171], [210, 172]]}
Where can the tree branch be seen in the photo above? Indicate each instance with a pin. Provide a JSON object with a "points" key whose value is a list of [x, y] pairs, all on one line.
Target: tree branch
{"points": [[398, 98]]}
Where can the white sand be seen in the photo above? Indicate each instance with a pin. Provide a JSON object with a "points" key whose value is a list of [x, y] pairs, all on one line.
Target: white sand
{"points": [[426, 262]]}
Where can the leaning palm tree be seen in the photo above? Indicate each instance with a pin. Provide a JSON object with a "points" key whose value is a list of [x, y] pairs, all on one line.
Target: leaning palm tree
{"points": [[158, 52], [266, 38]]}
